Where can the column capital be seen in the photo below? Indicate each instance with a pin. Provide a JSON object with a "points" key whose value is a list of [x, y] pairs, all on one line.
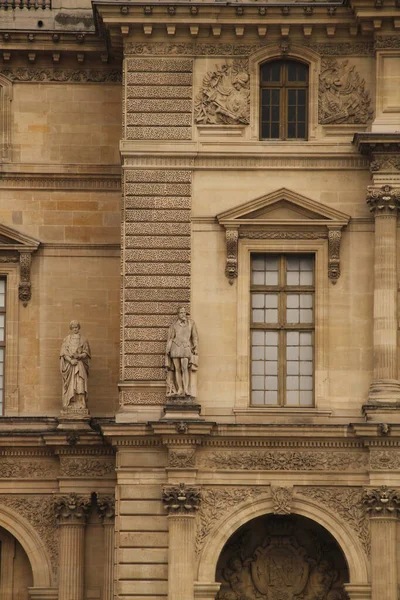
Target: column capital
{"points": [[383, 200], [72, 509], [180, 499], [106, 509], [381, 502]]}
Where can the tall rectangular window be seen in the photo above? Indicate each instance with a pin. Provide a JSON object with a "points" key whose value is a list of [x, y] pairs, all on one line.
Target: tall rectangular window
{"points": [[2, 339], [282, 330], [284, 87]]}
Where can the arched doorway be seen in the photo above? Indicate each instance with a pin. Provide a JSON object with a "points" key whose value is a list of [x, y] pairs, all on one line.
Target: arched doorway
{"points": [[274, 557], [15, 569]]}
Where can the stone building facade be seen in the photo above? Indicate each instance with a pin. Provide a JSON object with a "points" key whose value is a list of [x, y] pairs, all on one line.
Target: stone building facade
{"points": [[240, 161]]}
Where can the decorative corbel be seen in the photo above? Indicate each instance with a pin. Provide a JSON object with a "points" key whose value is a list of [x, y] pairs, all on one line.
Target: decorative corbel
{"points": [[334, 239], [231, 269], [24, 288]]}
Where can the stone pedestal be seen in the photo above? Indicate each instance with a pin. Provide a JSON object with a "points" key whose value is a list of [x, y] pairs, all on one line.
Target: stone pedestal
{"points": [[206, 591], [382, 505], [358, 591], [72, 511], [385, 387], [181, 503], [43, 594], [106, 506], [181, 409]]}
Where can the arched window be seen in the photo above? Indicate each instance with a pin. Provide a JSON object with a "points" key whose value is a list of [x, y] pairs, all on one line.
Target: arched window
{"points": [[284, 98]]}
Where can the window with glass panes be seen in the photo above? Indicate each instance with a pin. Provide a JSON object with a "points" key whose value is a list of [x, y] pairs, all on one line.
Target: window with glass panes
{"points": [[2, 339], [284, 87], [282, 330]]}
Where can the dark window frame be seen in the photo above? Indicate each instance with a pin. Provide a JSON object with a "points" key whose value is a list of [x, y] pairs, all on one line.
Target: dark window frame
{"points": [[284, 86]]}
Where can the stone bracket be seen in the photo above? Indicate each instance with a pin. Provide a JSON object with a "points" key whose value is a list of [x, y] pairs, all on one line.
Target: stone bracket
{"points": [[24, 287], [231, 269], [334, 239]]}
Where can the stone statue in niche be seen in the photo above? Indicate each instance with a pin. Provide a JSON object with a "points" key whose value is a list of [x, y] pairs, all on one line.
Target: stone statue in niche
{"points": [[74, 366], [224, 97], [181, 357], [342, 95]]}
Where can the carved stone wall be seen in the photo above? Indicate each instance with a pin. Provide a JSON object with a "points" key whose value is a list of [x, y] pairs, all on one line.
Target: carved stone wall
{"points": [[156, 267], [159, 99], [282, 558]]}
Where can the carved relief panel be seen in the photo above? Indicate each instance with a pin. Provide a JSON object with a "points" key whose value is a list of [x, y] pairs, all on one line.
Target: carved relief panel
{"points": [[282, 558]]}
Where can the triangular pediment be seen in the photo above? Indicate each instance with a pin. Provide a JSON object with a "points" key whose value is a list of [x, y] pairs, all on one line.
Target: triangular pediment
{"points": [[10, 239], [283, 207]]}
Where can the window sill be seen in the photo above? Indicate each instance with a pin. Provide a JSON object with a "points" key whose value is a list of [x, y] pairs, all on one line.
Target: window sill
{"points": [[282, 411]]}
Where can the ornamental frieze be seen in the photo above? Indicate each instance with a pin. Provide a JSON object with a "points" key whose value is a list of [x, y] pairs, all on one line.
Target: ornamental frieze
{"points": [[264, 460], [181, 459], [342, 95], [86, 467], [22, 74], [216, 503], [383, 460], [20, 469], [346, 502]]}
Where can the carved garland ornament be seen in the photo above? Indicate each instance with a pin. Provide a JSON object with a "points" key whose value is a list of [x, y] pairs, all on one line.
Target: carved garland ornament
{"points": [[284, 460], [63, 75], [80, 467], [342, 95], [224, 98], [384, 461], [181, 459], [181, 499]]}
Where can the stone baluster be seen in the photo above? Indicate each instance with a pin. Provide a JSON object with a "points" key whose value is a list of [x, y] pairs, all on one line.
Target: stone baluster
{"points": [[72, 511], [106, 508], [384, 204], [383, 505], [181, 502]]}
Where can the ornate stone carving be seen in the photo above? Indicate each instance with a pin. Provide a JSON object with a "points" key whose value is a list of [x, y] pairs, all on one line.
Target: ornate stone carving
{"points": [[284, 460], [281, 499], [72, 508], [231, 269], [62, 75], [387, 42], [181, 358], [74, 366], [181, 459], [347, 503], [383, 200], [21, 469], [181, 499], [381, 501], [106, 508], [225, 95], [385, 460], [342, 95], [216, 503], [283, 235], [39, 512], [334, 238], [24, 288], [83, 466], [385, 163]]}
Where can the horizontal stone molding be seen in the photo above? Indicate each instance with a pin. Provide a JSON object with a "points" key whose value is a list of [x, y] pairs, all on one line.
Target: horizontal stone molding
{"points": [[50, 182]]}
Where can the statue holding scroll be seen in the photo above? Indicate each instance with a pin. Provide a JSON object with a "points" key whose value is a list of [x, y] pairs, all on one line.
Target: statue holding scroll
{"points": [[74, 366]]}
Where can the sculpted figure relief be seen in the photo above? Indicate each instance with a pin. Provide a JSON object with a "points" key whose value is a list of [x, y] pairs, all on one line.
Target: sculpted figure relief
{"points": [[181, 357], [225, 96], [74, 366]]}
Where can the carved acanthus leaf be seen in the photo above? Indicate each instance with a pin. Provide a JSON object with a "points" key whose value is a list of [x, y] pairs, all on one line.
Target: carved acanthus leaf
{"points": [[106, 508], [181, 499], [72, 508], [383, 200], [285, 460], [347, 503], [216, 504], [342, 95], [381, 501], [224, 98]]}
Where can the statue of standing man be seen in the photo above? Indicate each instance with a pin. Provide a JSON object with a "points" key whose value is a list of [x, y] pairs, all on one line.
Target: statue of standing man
{"points": [[74, 366], [181, 357]]}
